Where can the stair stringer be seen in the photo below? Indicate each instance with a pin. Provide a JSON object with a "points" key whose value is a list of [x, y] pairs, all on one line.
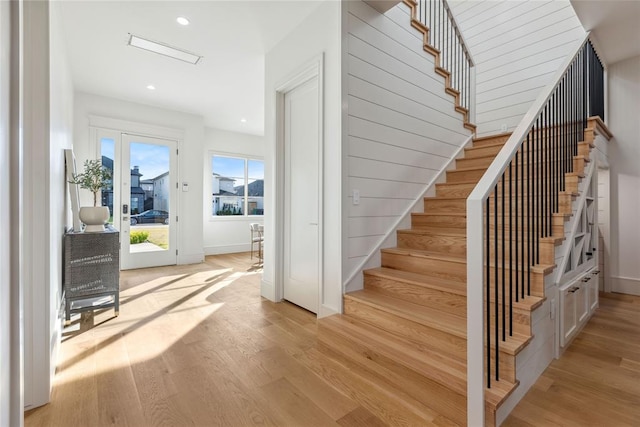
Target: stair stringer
{"points": [[356, 280]]}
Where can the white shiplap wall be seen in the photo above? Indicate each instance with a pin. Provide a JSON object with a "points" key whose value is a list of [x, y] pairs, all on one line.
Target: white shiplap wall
{"points": [[402, 126], [517, 46]]}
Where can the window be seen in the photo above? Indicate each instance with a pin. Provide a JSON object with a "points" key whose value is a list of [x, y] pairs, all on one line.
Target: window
{"points": [[237, 186]]}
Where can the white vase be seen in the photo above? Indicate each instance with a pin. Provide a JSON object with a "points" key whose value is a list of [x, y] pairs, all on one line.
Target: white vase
{"points": [[94, 217]]}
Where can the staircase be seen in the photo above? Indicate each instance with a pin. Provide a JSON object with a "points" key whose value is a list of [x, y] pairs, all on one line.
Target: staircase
{"points": [[406, 330], [404, 335]]}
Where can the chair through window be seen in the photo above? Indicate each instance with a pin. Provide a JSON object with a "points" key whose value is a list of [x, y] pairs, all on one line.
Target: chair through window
{"points": [[256, 237]]}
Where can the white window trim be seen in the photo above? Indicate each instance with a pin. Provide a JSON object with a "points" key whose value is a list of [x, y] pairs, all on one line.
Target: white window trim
{"points": [[246, 158]]}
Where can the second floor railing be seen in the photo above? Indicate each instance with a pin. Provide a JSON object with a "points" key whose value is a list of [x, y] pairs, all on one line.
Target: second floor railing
{"points": [[445, 36]]}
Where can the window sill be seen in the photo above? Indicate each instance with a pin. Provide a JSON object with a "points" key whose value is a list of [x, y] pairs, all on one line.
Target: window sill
{"points": [[232, 218]]}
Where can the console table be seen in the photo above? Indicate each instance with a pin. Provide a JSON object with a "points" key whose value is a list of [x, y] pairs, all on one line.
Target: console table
{"points": [[91, 271]]}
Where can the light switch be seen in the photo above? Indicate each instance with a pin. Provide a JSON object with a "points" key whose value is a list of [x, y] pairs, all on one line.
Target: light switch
{"points": [[185, 187], [356, 197]]}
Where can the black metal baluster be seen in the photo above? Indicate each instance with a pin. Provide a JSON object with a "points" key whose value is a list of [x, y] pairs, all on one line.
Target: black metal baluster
{"points": [[556, 165], [496, 276], [518, 197], [530, 219], [539, 189], [549, 172], [448, 45], [545, 176], [504, 261], [511, 220], [564, 134], [585, 96]]}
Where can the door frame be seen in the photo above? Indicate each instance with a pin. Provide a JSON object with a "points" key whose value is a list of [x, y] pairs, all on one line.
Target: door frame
{"points": [[310, 70], [107, 126]]}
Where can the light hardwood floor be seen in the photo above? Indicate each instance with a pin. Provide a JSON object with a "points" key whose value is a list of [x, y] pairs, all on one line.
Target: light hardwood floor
{"points": [[197, 345], [597, 380]]}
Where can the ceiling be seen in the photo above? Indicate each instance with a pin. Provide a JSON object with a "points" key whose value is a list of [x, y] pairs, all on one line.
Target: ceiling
{"points": [[615, 25], [232, 36]]}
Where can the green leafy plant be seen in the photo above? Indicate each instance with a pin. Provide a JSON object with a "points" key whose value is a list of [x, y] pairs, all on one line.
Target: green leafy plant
{"points": [[138, 237], [94, 178]]}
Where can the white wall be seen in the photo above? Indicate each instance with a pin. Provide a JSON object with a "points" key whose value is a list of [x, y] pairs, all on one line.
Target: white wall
{"points": [[624, 153], [402, 126], [48, 115], [227, 234], [10, 310], [517, 46], [61, 137], [38, 289], [189, 161], [318, 34]]}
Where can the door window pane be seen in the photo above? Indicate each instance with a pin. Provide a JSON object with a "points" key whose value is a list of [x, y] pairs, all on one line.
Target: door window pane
{"points": [[149, 202], [107, 151]]}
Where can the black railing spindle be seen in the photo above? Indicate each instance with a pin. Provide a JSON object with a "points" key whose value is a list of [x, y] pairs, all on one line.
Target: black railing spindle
{"points": [[537, 174]]}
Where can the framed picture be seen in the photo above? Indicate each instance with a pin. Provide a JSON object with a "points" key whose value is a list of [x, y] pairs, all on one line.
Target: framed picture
{"points": [[70, 166]]}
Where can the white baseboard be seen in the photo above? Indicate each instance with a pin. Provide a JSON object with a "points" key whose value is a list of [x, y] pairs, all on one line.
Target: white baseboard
{"points": [[326, 311], [625, 285], [267, 290], [227, 249], [191, 258]]}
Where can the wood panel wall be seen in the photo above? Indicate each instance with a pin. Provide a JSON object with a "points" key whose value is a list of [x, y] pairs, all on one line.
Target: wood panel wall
{"points": [[402, 126], [517, 47]]}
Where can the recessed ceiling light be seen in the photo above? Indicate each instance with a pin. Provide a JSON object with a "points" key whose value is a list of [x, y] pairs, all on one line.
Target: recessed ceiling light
{"points": [[243, 120], [163, 49], [151, 87], [182, 20]]}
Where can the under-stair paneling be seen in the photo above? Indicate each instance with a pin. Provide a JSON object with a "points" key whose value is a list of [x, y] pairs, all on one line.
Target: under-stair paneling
{"points": [[534, 359], [517, 47], [402, 126]]}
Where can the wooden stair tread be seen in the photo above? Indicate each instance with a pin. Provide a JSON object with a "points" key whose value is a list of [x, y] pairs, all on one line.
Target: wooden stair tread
{"points": [[513, 344], [498, 393], [444, 198], [538, 268], [444, 321], [441, 369], [487, 139], [441, 320], [451, 286], [487, 144], [436, 231], [426, 254], [464, 214], [469, 169]]}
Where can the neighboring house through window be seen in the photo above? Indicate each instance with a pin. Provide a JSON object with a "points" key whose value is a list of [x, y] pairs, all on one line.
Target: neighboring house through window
{"points": [[237, 186]]}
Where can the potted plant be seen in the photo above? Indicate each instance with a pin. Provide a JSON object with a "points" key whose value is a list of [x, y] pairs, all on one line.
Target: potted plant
{"points": [[94, 178]]}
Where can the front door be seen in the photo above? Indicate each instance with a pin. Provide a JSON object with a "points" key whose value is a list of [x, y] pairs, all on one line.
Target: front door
{"points": [[143, 198], [301, 195]]}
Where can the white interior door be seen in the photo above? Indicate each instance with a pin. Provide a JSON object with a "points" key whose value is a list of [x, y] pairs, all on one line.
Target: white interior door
{"points": [[301, 195], [145, 207]]}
